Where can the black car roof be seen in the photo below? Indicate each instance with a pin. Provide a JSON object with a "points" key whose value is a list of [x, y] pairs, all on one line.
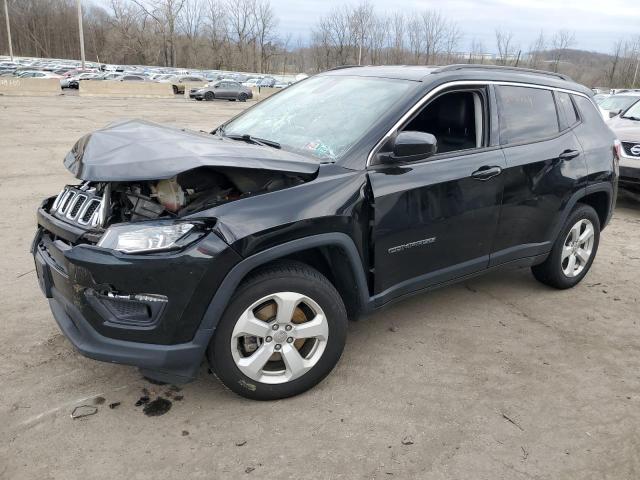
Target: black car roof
{"points": [[436, 74]]}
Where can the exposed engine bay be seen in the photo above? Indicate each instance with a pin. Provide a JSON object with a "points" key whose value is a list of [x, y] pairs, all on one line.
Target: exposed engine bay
{"points": [[96, 205]]}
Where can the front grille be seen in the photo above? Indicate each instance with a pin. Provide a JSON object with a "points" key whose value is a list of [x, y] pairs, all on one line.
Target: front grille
{"points": [[80, 205], [76, 206], [92, 207], [628, 146]]}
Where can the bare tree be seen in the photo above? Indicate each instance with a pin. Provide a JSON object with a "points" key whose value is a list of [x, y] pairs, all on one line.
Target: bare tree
{"points": [[505, 45], [190, 22], [241, 22], [416, 39], [536, 51], [216, 32], [398, 32], [617, 53], [361, 20], [165, 13], [265, 24], [562, 40]]}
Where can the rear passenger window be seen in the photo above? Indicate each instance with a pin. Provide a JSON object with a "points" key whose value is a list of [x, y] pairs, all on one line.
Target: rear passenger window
{"points": [[567, 110], [526, 114]]}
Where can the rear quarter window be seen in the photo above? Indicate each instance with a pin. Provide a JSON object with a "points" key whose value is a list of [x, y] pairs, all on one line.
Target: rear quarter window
{"points": [[588, 110], [526, 114], [567, 110]]}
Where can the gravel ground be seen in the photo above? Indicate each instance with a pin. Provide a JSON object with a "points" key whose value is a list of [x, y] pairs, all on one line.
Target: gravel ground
{"points": [[496, 378]]}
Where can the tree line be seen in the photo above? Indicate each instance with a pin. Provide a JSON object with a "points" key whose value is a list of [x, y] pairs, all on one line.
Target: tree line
{"points": [[243, 35]]}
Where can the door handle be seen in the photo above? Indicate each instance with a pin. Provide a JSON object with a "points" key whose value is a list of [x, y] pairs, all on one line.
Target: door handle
{"points": [[568, 154], [485, 173]]}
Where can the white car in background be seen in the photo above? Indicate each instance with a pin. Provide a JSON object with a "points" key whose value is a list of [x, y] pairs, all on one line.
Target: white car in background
{"points": [[37, 74], [626, 126], [615, 104]]}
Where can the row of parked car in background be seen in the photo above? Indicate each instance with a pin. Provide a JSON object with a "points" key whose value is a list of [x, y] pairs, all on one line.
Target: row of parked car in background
{"points": [[212, 83]]}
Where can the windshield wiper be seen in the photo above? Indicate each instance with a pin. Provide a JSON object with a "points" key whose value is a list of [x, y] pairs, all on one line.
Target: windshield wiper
{"points": [[249, 139], [633, 118]]}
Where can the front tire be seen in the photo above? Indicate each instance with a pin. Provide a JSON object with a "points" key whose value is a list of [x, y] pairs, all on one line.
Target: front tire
{"points": [[573, 252], [208, 96], [283, 332]]}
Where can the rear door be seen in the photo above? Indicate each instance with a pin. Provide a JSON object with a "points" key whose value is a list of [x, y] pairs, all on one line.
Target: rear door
{"points": [[545, 168]]}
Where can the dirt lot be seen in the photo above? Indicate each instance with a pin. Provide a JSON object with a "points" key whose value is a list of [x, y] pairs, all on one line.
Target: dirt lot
{"points": [[498, 378]]}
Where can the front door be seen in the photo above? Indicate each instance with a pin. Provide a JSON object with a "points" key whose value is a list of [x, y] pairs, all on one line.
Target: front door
{"points": [[435, 220]]}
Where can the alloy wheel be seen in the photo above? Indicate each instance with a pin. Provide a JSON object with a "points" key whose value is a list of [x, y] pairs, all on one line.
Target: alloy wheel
{"points": [[279, 338], [577, 248]]}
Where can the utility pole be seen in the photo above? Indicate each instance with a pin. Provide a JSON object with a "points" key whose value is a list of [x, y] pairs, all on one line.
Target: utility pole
{"points": [[635, 75], [6, 16], [81, 32]]}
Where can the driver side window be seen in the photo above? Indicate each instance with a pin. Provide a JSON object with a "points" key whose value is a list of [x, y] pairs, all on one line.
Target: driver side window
{"points": [[457, 119]]}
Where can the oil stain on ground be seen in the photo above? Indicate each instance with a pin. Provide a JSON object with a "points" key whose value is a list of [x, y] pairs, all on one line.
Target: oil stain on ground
{"points": [[161, 405], [157, 407]]}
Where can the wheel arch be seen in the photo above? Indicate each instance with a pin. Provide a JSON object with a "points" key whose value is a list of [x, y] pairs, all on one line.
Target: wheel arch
{"points": [[602, 195], [323, 252], [600, 199]]}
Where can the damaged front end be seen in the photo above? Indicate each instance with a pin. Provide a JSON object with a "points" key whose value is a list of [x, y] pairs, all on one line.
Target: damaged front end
{"points": [[138, 171], [129, 257], [87, 210]]}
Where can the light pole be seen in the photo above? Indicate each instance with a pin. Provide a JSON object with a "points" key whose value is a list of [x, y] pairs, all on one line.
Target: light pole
{"points": [[81, 33], [635, 75], [6, 16]]}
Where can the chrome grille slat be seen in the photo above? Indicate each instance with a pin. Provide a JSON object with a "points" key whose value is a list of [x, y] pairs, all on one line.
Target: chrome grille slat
{"points": [[80, 205], [66, 201], [88, 211], [75, 206]]}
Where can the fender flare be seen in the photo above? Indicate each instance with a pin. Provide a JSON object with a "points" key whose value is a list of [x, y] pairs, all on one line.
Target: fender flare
{"points": [[576, 197], [223, 294]]}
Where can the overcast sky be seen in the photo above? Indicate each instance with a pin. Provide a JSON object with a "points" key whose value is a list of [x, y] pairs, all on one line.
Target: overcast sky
{"points": [[597, 24]]}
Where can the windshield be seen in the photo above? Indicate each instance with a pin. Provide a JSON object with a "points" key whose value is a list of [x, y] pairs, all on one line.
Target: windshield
{"points": [[323, 116], [633, 112], [618, 102]]}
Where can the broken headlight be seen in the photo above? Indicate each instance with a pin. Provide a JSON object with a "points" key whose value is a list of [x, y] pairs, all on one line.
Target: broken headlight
{"points": [[150, 237]]}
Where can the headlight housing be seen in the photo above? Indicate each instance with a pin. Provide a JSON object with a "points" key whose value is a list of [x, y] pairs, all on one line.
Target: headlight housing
{"points": [[150, 237]]}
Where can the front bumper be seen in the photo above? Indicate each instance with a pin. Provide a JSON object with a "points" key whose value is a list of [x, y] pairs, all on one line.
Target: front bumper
{"points": [[630, 170], [168, 342]]}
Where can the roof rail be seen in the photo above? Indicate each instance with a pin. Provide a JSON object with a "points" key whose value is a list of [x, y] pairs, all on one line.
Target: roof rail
{"points": [[475, 66], [340, 67]]}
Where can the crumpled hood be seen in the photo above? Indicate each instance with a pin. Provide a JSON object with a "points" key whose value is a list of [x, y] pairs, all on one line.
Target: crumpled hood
{"points": [[626, 130], [140, 150]]}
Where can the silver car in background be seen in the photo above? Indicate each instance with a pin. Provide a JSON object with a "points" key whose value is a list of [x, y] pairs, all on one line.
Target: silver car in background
{"points": [[225, 89]]}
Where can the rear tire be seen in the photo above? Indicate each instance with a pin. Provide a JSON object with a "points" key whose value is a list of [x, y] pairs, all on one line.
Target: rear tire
{"points": [[208, 96], [298, 323], [175, 89], [573, 251]]}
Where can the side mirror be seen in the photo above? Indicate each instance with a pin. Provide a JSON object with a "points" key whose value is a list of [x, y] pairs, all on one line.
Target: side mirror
{"points": [[614, 113], [409, 146]]}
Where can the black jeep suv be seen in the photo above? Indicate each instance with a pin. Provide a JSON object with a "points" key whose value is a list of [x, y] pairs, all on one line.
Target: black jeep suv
{"points": [[254, 244]]}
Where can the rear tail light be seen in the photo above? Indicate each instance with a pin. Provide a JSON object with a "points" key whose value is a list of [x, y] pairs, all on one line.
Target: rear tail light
{"points": [[617, 149]]}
